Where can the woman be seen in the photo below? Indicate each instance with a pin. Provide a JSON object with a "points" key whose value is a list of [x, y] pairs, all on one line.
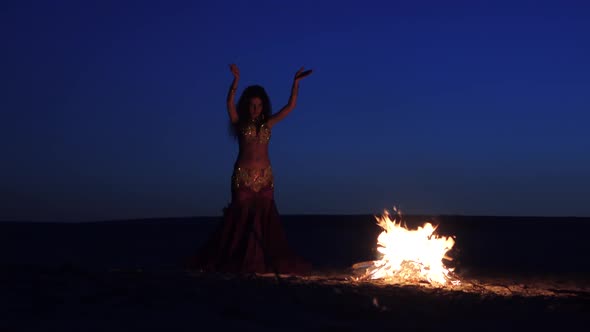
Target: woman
{"points": [[251, 238]]}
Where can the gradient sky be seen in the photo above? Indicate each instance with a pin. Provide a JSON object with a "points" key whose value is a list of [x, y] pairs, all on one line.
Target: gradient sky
{"points": [[116, 109]]}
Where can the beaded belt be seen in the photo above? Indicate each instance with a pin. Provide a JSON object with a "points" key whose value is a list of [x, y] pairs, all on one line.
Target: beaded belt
{"points": [[252, 178]]}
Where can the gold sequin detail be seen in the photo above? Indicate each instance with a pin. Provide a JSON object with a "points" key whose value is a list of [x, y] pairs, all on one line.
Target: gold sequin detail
{"points": [[250, 135], [253, 178]]}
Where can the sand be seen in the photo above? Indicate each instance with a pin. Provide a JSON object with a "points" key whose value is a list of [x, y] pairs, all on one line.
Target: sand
{"points": [[127, 276]]}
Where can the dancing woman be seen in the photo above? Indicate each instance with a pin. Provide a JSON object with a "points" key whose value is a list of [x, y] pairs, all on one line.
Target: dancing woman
{"points": [[251, 237]]}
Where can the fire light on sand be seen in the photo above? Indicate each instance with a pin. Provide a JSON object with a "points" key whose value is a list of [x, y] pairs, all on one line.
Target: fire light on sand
{"points": [[409, 256]]}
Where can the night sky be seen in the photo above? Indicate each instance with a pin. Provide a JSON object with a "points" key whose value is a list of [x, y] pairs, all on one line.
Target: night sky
{"points": [[116, 109]]}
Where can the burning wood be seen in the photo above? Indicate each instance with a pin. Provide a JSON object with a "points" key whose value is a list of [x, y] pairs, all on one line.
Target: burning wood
{"points": [[409, 255]]}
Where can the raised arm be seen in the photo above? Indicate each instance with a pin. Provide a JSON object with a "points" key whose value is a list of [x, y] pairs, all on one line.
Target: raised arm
{"points": [[280, 115], [231, 105]]}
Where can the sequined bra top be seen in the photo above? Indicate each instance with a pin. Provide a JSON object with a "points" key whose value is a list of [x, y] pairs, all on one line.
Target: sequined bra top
{"points": [[249, 134]]}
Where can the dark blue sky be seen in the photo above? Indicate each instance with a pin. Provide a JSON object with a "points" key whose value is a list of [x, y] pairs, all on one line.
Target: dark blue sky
{"points": [[117, 109]]}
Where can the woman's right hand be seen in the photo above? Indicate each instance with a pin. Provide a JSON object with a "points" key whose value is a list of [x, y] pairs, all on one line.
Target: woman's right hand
{"points": [[235, 71]]}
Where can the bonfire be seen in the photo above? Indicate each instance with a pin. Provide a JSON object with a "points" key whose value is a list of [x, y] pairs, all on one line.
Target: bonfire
{"points": [[409, 256]]}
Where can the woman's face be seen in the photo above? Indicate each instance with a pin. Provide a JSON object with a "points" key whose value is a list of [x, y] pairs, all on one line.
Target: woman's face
{"points": [[255, 107]]}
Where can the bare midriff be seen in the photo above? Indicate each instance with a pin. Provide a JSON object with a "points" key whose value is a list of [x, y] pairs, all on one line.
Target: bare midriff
{"points": [[253, 155], [254, 146]]}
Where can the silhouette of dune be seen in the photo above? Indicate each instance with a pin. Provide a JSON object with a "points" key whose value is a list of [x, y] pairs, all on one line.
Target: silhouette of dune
{"points": [[519, 244]]}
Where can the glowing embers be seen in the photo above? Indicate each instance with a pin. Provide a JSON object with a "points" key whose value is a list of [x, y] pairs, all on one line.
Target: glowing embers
{"points": [[409, 255]]}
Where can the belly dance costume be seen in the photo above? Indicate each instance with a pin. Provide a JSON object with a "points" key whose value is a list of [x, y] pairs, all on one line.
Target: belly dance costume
{"points": [[251, 237]]}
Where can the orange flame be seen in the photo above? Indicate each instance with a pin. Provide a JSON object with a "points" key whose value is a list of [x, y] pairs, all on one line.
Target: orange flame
{"points": [[410, 255]]}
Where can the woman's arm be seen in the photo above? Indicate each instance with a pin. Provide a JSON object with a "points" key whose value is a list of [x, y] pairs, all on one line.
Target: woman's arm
{"points": [[280, 115], [231, 105]]}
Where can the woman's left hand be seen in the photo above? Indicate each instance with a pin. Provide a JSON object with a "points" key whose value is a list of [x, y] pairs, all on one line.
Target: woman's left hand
{"points": [[301, 74]]}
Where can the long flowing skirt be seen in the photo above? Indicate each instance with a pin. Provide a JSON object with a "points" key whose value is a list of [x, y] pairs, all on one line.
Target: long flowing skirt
{"points": [[250, 238]]}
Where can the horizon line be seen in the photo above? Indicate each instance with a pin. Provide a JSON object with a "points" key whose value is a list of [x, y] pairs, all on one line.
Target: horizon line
{"points": [[137, 219]]}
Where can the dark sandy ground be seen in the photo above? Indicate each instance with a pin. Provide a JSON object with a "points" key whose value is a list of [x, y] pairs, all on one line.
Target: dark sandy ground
{"points": [[517, 273], [73, 299]]}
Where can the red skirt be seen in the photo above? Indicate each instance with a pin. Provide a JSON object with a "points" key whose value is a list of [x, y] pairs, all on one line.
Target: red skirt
{"points": [[250, 239]]}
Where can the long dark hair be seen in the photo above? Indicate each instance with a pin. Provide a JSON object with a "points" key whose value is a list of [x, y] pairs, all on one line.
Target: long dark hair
{"points": [[250, 92]]}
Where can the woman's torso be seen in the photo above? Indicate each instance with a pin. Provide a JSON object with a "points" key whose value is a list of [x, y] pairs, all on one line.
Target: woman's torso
{"points": [[253, 146]]}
